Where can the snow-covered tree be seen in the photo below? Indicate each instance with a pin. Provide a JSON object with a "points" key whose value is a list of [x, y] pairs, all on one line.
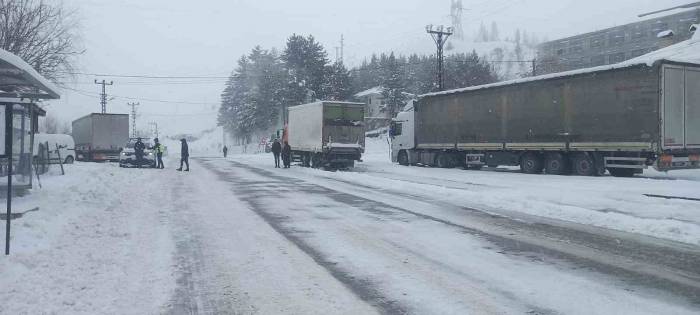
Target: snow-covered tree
{"points": [[336, 85], [305, 62], [494, 34], [394, 92]]}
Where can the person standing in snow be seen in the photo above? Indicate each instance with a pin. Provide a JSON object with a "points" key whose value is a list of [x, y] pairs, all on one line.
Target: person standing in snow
{"points": [[158, 148], [276, 150], [225, 151], [139, 148], [286, 154], [184, 155]]}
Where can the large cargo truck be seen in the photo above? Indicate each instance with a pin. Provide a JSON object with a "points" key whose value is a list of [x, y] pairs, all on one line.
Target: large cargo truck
{"points": [[622, 118], [100, 137], [327, 134]]}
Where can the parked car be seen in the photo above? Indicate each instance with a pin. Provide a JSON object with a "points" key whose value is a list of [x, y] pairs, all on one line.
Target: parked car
{"points": [[64, 143], [127, 158]]}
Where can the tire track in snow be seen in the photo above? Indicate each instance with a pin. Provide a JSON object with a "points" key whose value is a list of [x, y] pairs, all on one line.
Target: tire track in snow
{"points": [[672, 269]]}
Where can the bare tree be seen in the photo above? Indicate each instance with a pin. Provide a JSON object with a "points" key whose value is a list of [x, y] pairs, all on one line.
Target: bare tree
{"points": [[43, 33]]}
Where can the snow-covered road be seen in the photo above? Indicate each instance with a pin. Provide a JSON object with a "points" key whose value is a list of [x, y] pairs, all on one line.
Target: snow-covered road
{"points": [[236, 236]]}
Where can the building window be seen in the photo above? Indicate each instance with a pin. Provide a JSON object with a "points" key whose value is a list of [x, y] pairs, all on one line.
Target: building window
{"points": [[560, 52], [618, 57], [639, 32], [598, 60], [576, 47], [616, 38], [597, 42]]}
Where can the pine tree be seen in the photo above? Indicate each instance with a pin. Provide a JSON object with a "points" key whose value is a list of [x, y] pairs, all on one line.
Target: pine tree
{"points": [[494, 35], [337, 86], [305, 63], [394, 92]]}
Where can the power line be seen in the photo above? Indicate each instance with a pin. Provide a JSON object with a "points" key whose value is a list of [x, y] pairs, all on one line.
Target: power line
{"points": [[141, 76], [90, 94]]}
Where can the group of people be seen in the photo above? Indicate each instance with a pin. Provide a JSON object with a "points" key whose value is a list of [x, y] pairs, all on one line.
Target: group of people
{"points": [[158, 149], [285, 151]]}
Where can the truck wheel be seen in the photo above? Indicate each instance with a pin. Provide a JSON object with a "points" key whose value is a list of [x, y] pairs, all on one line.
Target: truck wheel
{"points": [[443, 160], [403, 158], [621, 172], [556, 164], [531, 163], [316, 161], [306, 160], [69, 160], [583, 165]]}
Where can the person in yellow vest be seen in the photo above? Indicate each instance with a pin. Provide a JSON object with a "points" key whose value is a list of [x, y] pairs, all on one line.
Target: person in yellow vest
{"points": [[158, 148]]}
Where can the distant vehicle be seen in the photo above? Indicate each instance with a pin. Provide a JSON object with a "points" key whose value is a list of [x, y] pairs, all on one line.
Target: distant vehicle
{"points": [[327, 134], [65, 144], [127, 158], [100, 137], [622, 118]]}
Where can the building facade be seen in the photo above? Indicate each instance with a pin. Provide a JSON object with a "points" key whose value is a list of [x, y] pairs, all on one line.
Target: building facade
{"points": [[616, 44]]}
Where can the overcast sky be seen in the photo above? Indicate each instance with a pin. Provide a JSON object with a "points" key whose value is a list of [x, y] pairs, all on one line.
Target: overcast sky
{"points": [[206, 37]]}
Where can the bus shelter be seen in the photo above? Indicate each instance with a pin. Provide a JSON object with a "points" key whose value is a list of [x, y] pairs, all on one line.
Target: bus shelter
{"points": [[21, 87]]}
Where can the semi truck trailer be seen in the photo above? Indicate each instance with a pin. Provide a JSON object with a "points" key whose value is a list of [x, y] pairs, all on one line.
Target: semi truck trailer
{"points": [[621, 118], [326, 134], [100, 137]]}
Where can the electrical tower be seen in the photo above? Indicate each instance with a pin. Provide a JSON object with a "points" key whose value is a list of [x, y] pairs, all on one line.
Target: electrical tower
{"points": [[339, 50], [133, 118], [456, 10], [155, 126], [103, 98], [440, 35]]}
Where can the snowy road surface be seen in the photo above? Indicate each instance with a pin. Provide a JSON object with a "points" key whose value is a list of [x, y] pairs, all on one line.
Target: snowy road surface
{"points": [[239, 237]]}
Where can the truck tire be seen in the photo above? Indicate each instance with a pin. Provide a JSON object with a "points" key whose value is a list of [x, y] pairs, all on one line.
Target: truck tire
{"points": [[531, 163], [556, 164], [622, 172], [403, 158], [316, 161], [582, 164], [443, 160], [69, 160]]}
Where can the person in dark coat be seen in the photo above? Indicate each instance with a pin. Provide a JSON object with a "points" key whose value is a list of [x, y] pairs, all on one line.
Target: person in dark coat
{"points": [[158, 148], [286, 154], [225, 151], [139, 148], [276, 150], [184, 155]]}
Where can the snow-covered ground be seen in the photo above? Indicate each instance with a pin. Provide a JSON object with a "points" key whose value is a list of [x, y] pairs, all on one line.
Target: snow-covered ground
{"points": [[614, 203], [238, 236]]}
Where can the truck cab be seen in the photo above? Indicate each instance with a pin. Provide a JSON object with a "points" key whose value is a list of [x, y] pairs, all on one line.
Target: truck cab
{"points": [[402, 135]]}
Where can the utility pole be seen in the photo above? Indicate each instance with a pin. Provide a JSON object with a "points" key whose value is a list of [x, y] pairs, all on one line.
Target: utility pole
{"points": [[133, 118], [534, 67], [155, 125], [103, 99], [439, 35], [342, 47]]}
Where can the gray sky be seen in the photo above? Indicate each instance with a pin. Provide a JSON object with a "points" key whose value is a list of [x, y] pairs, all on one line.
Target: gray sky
{"points": [[206, 37]]}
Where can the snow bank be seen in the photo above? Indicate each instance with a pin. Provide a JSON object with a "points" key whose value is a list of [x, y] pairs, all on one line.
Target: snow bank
{"points": [[91, 247]]}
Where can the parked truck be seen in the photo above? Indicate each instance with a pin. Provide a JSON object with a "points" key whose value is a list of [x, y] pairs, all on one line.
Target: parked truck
{"points": [[621, 118], [327, 134], [100, 137]]}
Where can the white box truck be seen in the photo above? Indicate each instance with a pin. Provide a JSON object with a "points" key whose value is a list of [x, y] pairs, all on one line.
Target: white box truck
{"points": [[327, 134]]}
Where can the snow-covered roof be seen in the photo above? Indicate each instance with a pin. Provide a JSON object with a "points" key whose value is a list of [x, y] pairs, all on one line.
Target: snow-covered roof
{"points": [[684, 52], [373, 91], [19, 79]]}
